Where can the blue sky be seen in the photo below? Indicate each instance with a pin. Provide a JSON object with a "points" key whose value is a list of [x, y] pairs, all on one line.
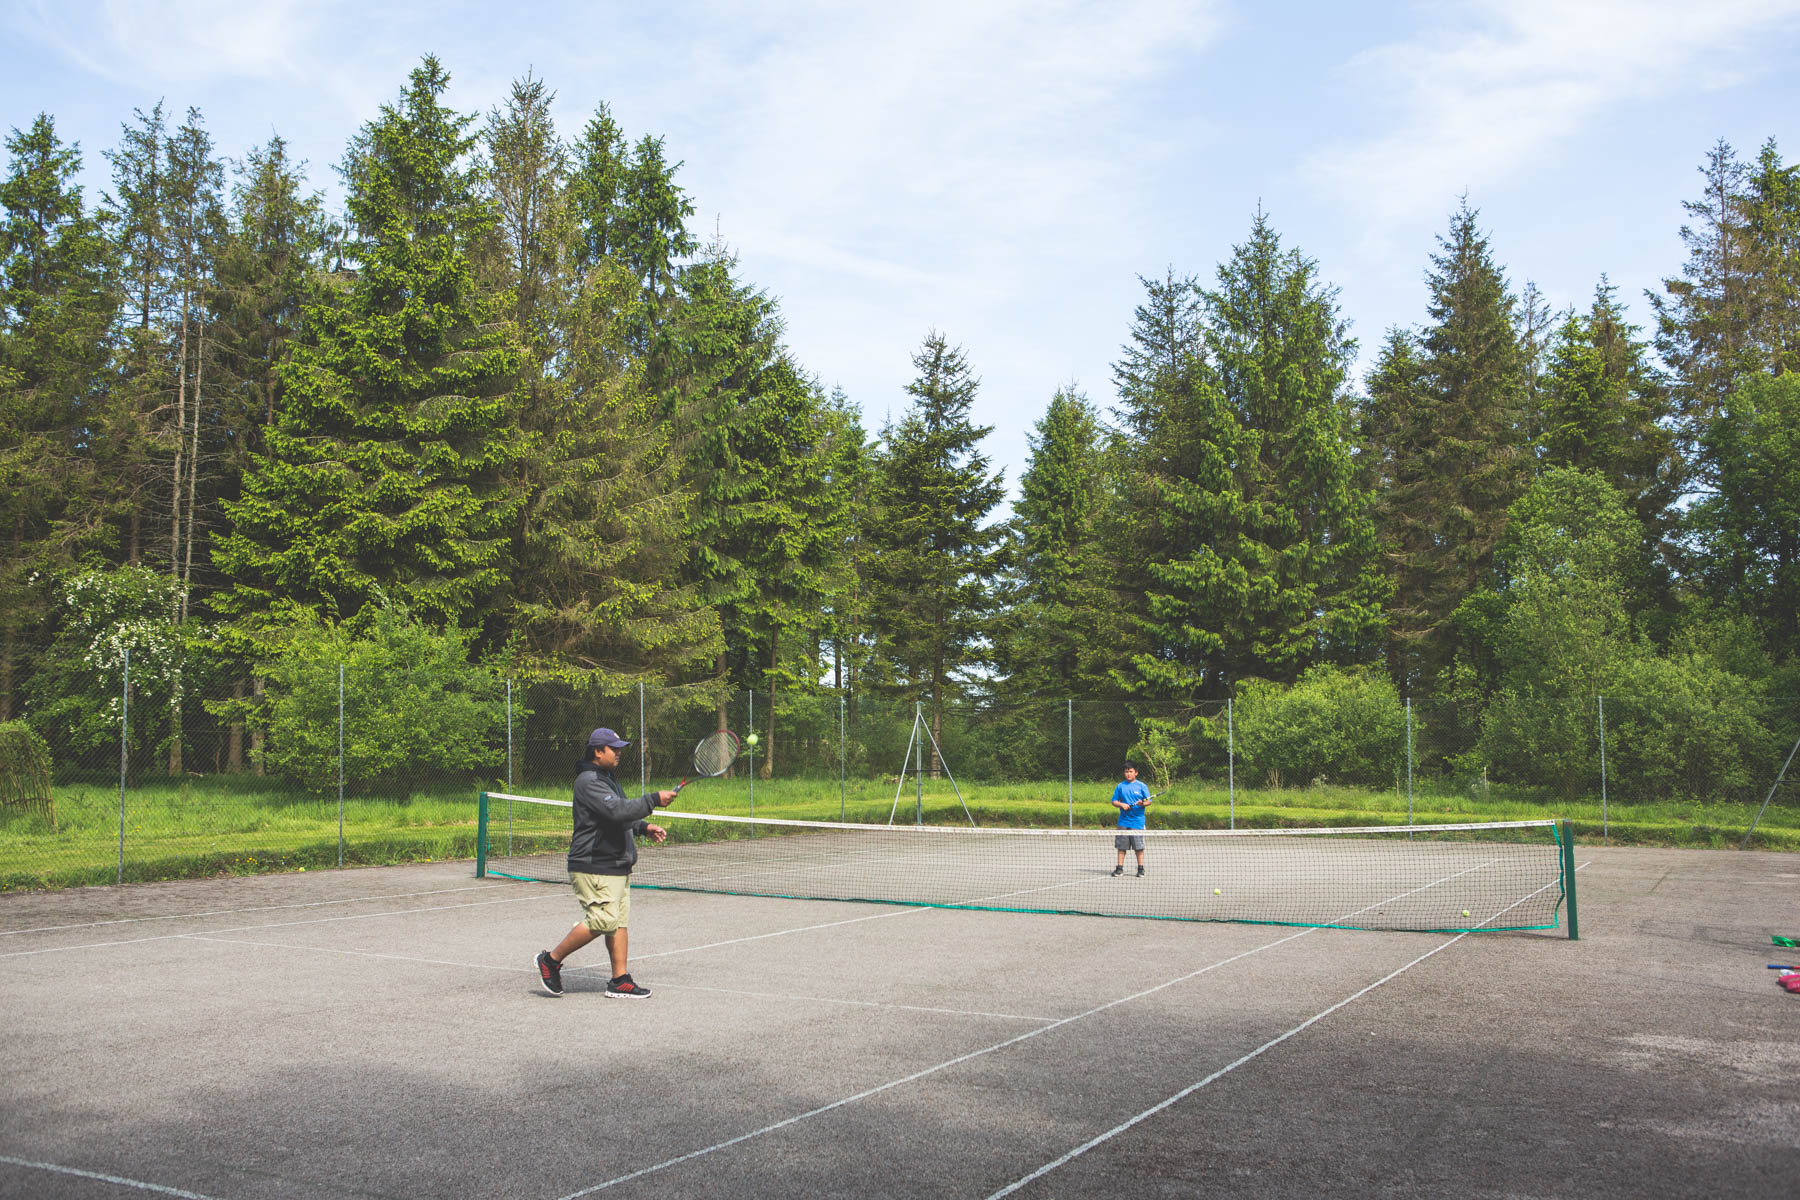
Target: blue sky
{"points": [[1004, 172]]}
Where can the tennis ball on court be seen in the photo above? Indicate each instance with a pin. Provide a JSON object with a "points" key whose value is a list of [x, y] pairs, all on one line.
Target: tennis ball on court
{"points": [[1465, 912], [1215, 891]]}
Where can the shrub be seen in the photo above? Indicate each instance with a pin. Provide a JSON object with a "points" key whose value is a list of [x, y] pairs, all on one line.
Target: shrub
{"points": [[414, 706], [25, 770], [1345, 726]]}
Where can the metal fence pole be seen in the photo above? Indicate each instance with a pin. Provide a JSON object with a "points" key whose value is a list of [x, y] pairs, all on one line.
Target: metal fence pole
{"points": [[751, 731], [643, 744], [918, 766], [841, 760], [1605, 831], [340, 764], [124, 755], [1071, 741], [509, 737], [1231, 763]]}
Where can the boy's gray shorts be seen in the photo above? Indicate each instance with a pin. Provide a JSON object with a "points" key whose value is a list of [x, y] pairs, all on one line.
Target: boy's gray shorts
{"points": [[1129, 841]]}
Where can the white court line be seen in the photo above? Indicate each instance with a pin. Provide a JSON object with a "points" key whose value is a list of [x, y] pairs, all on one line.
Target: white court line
{"points": [[229, 912], [139, 1184], [917, 1075], [949, 1012], [931, 1070], [1192, 1088], [1222, 1071], [163, 937], [674, 987]]}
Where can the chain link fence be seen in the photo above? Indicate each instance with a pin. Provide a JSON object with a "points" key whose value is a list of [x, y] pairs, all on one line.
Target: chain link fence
{"points": [[148, 772]]}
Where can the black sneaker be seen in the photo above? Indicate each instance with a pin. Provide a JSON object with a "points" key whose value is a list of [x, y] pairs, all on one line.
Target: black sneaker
{"points": [[627, 988], [1118, 870], [1140, 872], [549, 973]]}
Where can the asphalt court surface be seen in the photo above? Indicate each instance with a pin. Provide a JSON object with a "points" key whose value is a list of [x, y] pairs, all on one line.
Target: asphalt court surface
{"points": [[381, 1033]]}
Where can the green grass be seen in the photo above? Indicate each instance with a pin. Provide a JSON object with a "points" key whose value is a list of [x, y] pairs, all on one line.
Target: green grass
{"points": [[239, 825]]}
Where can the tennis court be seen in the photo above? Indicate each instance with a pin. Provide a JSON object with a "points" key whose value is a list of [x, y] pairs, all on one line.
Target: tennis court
{"points": [[381, 1033]]}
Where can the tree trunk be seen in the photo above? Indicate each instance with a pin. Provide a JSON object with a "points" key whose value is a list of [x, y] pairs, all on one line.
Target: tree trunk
{"points": [[768, 767], [724, 712], [257, 735], [234, 735]]}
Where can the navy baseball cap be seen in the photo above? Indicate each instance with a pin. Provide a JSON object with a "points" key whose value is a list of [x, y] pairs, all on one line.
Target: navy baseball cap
{"points": [[605, 737]]}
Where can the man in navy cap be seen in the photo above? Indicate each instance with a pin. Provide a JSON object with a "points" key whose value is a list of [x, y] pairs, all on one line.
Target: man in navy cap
{"points": [[602, 852]]}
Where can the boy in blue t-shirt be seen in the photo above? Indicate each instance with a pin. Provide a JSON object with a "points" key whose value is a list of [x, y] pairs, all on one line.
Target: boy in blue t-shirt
{"points": [[1130, 798]]}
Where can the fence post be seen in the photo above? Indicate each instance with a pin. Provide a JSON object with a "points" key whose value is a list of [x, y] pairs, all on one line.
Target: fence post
{"points": [[750, 755], [124, 756], [340, 764], [1230, 763], [509, 737], [1071, 745], [643, 745], [1605, 829], [841, 759], [918, 766]]}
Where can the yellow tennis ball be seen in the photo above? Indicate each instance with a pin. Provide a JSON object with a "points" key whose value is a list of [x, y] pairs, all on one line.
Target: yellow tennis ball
{"points": [[1215, 891], [1465, 912]]}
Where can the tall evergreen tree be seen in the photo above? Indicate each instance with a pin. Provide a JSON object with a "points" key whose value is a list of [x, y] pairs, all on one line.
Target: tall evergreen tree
{"points": [[1606, 410], [933, 553], [1447, 406], [1061, 634], [387, 474], [1280, 573], [56, 311]]}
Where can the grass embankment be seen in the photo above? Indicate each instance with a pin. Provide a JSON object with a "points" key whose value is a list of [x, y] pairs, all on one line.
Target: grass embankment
{"points": [[218, 826]]}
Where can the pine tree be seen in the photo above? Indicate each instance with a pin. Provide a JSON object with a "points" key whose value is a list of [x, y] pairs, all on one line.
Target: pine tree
{"points": [[1447, 408], [387, 474], [1606, 410], [55, 314], [1279, 571], [932, 554], [1060, 630]]}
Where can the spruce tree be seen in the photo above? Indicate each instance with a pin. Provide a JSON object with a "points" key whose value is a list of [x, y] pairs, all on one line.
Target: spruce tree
{"points": [[387, 473], [1061, 631], [933, 554], [56, 309], [1448, 408]]}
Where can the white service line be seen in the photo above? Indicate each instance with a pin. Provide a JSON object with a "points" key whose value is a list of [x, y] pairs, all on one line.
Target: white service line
{"points": [[1191, 1089], [1220, 1073], [949, 1012], [163, 937], [139, 1184], [228, 912], [931, 1070]]}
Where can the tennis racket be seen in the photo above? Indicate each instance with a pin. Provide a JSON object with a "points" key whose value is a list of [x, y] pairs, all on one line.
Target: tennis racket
{"points": [[713, 756]]}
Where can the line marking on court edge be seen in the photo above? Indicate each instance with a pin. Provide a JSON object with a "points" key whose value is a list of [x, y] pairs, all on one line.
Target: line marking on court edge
{"points": [[931, 1070], [1226, 1070], [163, 937], [951, 1012], [227, 912], [674, 987], [1221, 1072], [139, 1184]]}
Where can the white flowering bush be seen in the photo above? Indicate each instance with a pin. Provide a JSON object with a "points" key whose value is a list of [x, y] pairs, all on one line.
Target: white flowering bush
{"points": [[110, 618]]}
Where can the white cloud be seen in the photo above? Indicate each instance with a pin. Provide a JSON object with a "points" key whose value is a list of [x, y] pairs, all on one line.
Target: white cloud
{"points": [[1482, 101]]}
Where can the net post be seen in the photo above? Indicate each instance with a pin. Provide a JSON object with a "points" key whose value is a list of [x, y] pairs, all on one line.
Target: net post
{"points": [[481, 815], [1565, 834]]}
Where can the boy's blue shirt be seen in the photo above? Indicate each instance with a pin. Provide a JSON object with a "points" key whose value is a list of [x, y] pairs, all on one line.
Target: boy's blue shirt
{"points": [[1133, 794]]}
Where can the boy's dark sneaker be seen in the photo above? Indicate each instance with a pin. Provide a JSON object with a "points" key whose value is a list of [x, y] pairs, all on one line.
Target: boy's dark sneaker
{"points": [[627, 988], [549, 973], [1140, 872], [1118, 870]]}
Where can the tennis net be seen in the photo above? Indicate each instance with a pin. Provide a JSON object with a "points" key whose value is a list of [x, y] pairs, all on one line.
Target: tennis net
{"points": [[1513, 875]]}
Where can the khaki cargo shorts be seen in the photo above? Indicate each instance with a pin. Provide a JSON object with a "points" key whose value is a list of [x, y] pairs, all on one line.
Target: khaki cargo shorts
{"points": [[605, 900]]}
